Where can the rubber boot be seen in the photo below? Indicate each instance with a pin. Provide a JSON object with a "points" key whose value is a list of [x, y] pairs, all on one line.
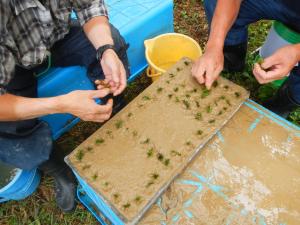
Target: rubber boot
{"points": [[235, 57], [65, 182], [282, 103]]}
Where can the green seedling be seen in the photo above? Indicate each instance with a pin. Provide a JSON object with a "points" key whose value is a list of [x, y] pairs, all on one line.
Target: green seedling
{"points": [[79, 155], [167, 162], [95, 177], [146, 98], [186, 104], [187, 95], [198, 116], [89, 148], [85, 167], [116, 196], [188, 143], [212, 121], [159, 90], [109, 133], [176, 89], [199, 132], [138, 199], [134, 133], [186, 63], [197, 104], [205, 93], [149, 184], [237, 94], [228, 102], [175, 153], [150, 152], [99, 141], [215, 84], [129, 114], [126, 206], [147, 141], [154, 176], [119, 124], [177, 99], [160, 157], [168, 82], [222, 97], [170, 96], [208, 109], [258, 59], [106, 184]]}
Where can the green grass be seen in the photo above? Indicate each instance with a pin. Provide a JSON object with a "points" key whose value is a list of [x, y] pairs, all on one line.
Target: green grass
{"points": [[40, 208]]}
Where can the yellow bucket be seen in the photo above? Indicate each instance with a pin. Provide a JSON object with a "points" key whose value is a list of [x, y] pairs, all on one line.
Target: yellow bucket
{"points": [[165, 50]]}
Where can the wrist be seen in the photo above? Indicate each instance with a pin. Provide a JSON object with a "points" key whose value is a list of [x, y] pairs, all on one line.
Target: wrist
{"points": [[57, 104], [216, 44]]}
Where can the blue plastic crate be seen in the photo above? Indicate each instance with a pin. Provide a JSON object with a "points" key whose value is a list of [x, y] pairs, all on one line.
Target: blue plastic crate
{"points": [[137, 20], [105, 214]]}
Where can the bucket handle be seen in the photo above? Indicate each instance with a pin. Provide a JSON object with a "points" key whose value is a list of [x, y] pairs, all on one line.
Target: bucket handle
{"points": [[149, 74]]}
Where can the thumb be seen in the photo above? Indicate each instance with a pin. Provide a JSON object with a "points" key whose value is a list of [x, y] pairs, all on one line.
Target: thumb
{"points": [[269, 62], [99, 93]]}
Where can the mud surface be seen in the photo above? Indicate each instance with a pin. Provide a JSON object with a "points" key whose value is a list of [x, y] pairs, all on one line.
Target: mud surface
{"points": [[248, 174], [135, 156]]}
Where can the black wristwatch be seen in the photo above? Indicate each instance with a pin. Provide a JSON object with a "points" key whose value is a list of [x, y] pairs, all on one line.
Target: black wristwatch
{"points": [[102, 49]]}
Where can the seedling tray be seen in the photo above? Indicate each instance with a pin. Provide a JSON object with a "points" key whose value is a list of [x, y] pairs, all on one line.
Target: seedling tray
{"points": [[131, 160]]}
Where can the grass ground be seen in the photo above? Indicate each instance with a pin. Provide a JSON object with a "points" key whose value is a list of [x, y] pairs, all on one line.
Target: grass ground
{"points": [[189, 19]]}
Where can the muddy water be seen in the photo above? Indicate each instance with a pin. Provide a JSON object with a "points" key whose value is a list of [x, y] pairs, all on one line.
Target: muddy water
{"points": [[248, 174], [119, 165], [7, 173]]}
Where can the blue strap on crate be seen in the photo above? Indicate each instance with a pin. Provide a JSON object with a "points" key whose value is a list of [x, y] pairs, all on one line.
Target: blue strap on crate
{"points": [[137, 20]]}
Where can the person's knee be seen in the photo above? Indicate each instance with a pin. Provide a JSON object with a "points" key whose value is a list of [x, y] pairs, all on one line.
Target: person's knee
{"points": [[209, 6]]}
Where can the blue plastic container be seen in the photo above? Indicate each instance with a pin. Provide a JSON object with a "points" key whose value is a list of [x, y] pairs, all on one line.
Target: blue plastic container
{"points": [[22, 185], [137, 21]]}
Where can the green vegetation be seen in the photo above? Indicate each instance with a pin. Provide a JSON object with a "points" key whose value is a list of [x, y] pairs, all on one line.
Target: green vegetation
{"points": [[79, 155], [119, 124], [99, 141], [198, 116], [186, 104]]}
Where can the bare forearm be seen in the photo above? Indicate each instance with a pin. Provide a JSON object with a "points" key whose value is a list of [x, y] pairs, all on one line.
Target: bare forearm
{"points": [[225, 14], [297, 46], [13, 108], [98, 31]]}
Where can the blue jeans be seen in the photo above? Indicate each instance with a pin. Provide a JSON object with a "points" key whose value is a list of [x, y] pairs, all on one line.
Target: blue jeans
{"points": [[252, 11], [74, 50]]}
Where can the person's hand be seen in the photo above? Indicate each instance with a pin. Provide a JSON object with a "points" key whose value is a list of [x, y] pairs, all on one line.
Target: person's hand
{"points": [[208, 67], [277, 65], [82, 104], [114, 72]]}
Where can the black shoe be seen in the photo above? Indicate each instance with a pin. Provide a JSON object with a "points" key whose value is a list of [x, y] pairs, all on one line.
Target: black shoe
{"points": [[282, 103], [65, 182], [235, 57]]}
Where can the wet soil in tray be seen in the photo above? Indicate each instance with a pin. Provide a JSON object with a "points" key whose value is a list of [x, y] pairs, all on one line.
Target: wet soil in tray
{"points": [[134, 157]]}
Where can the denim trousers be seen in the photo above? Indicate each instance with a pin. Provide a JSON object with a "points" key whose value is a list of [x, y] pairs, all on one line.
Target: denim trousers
{"points": [[74, 50], [252, 11]]}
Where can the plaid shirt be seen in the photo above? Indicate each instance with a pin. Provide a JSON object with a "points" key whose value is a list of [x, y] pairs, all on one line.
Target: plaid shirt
{"points": [[28, 28]]}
